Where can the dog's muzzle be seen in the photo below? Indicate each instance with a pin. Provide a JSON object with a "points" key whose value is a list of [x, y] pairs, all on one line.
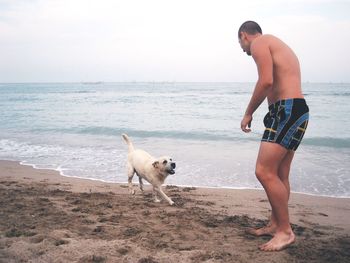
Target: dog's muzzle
{"points": [[172, 166]]}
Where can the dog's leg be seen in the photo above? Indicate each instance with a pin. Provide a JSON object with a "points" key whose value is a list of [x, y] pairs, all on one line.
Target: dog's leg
{"points": [[131, 172], [160, 191], [141, 183], [155, 195]]}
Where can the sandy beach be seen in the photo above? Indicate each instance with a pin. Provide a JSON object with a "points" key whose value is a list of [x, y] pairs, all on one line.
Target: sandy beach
{"points": [[46, 217]]}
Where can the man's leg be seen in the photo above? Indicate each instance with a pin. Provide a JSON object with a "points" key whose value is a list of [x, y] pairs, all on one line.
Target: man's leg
{"points": [[269, 165], [283, 174], [284, 169]]}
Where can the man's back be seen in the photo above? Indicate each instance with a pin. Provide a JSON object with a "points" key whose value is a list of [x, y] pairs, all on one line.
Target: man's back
{"points": [[286, 69]]}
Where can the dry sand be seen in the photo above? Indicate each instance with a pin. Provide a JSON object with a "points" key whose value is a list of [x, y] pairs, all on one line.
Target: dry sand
{"points": [[45, 217]]}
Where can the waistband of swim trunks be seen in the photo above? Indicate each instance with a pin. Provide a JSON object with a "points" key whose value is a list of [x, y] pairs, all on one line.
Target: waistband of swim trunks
{"points": [[296, 101]]}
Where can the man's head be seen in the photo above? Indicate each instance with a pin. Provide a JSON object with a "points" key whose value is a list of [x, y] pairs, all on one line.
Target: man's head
{"points": [[248, 31]]}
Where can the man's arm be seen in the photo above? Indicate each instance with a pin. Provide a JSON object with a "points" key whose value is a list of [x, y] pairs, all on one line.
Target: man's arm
{"points": [[261, 53]]}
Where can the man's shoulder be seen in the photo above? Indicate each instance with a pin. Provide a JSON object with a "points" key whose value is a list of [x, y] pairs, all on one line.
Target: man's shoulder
{"points": [[261, 42], [266, 38], [266, 41]]}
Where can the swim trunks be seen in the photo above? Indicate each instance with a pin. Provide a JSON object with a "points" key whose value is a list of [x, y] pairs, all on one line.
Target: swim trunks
{"points": [[286, 123]]}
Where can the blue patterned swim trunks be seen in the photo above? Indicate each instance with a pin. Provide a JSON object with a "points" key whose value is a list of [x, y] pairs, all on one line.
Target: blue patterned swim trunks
{"points": [[286, 123]]}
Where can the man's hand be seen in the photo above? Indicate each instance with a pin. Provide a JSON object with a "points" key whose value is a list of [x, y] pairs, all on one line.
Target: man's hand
{"points": [[246, 121]]}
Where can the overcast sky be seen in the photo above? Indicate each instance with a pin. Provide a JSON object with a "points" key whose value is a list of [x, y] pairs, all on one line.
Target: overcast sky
{"points": [[165, 40]]}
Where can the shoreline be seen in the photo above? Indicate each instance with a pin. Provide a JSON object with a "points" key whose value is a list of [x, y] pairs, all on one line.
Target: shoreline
{"points": [[47, 217], [182, 186]]}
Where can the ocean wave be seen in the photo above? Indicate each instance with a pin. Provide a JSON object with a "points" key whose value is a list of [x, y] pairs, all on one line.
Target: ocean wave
{"points": [[322, 94], [340, 94], [175, 134], [328, 142], [193, 135]]}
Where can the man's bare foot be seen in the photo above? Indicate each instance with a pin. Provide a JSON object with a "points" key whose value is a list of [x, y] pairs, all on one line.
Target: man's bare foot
{"points": [[268, 230], [280, 241]]}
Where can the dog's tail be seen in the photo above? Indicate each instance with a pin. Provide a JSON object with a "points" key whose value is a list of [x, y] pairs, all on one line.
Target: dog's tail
{"points": [[128, 142]]}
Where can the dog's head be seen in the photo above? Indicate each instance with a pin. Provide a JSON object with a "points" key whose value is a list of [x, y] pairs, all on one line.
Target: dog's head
{"points": [[165, 164]]}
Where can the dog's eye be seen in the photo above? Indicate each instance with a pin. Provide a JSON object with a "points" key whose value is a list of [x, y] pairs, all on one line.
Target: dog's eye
{"points": [[171, 160], [165, 162]]}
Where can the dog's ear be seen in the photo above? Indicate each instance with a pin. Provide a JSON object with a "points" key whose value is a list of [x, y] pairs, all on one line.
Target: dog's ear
{"points": [[155, 164]]}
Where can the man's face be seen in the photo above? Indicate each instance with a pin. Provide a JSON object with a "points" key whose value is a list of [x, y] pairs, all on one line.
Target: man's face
{"points": [[245, 45]]}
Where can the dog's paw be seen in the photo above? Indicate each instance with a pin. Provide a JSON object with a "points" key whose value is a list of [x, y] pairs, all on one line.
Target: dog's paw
{"points": [[171, 203], [132, 191], [157, 200]]}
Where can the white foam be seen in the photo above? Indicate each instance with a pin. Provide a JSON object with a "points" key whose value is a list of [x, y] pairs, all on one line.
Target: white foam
{"points": [[195, 163]]}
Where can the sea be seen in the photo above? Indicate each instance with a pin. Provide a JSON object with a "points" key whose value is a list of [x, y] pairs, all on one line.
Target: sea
{"points": [[75, 128]]}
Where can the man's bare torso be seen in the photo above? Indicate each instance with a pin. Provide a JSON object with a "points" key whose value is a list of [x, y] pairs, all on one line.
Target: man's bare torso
{"points": [[286, 70]]}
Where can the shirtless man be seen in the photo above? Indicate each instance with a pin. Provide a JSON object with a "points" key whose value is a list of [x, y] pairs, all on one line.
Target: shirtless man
{"points": [[279, 82]]}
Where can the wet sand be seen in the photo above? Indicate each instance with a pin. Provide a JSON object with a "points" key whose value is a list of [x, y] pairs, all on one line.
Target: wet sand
{"points": [[45, 217]]}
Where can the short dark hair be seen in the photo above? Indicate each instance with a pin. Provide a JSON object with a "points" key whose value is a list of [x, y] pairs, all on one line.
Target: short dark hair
{"points": [[249, 27]]}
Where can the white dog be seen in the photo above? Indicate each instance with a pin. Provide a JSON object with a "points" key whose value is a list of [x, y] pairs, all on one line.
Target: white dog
{"points": [[153, 170]]}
